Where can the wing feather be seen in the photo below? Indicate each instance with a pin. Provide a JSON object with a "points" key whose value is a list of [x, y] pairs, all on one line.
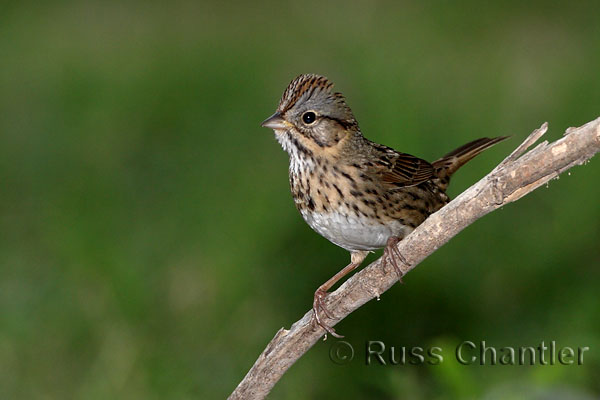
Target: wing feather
{"points": [[404, 170]]}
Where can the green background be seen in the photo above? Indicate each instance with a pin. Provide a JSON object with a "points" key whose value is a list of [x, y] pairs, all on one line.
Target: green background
{"points": [[149, 246]]}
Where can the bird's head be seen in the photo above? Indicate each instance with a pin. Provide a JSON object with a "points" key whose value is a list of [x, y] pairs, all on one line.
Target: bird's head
{"points": [[310, 114]]}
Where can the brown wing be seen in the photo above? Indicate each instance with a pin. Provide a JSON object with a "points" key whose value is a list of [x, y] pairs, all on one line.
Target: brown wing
{"points": [[396, 169], [406, 170]]}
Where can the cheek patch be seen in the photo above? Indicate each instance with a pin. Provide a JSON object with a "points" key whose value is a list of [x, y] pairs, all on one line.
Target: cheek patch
{"points": [[328, 133]]}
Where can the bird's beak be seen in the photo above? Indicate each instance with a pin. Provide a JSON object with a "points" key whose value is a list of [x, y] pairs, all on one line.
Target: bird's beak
{"points": [[275, 122]]}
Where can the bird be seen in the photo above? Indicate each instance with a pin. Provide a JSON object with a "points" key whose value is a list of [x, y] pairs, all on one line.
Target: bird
{"points": [[360, 195]]}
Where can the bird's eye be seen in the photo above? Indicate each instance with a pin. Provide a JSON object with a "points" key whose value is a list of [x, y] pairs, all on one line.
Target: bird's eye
{"points": [[309, 117]]}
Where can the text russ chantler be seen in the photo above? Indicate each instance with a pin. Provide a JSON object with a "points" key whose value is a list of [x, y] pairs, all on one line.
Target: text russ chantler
{"points": [[476, 353]]}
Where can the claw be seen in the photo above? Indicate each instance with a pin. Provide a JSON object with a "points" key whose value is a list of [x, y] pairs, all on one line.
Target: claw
{"points": [[356, 257], [391, 255], [319, 306]]}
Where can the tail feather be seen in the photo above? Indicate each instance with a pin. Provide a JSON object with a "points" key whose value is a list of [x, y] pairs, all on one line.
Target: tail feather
{"points": [[451, 162]]}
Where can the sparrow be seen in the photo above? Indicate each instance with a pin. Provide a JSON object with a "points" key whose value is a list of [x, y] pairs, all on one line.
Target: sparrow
{"points": [[358, 194]]}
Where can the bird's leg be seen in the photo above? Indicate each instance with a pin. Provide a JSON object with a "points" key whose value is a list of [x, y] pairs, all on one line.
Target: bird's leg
{"points": [[391, 255], [356, 259]]}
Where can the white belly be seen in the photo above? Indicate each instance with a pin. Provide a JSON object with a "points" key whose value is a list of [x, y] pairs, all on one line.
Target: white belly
{"points": [[352, 232]]}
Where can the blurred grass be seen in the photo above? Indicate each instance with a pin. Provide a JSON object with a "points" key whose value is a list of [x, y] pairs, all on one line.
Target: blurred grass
{"points": [[150, 247]]}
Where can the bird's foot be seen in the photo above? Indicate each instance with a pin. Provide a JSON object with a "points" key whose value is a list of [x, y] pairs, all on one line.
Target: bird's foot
{"points": [[391, 256], [318, 306]]}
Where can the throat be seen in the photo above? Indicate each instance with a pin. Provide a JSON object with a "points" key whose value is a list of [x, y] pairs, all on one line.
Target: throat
{"points": [[302, 159], [302, 164]]}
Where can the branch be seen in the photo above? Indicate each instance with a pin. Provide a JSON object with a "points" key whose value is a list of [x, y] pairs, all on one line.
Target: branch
{"points": [[519, 174]]}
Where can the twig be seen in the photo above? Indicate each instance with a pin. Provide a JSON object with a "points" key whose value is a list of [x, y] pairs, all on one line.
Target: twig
{"points": [[519, 174]]}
